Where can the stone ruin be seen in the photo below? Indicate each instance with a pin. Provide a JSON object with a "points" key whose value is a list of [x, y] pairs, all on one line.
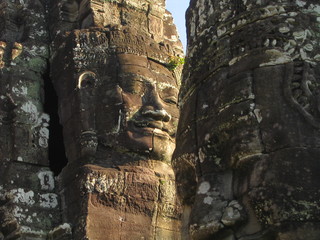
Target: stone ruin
{"points": [[246, 159], [240, 164]]}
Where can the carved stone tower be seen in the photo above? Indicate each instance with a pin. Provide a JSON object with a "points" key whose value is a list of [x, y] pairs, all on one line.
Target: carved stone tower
{"points": [[111, 66], [249, 129], [246, 163], [29, 206]]}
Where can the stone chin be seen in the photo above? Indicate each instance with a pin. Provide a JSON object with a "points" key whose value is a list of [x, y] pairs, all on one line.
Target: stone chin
{"points": [[163, 147]]}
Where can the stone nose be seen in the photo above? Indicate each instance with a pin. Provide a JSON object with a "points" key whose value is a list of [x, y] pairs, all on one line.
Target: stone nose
{"points": [[158, 115], [153, 107]]}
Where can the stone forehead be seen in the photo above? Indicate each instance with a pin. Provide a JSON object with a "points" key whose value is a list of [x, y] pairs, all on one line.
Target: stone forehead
{"points": [[161, 83], [147, 70]]}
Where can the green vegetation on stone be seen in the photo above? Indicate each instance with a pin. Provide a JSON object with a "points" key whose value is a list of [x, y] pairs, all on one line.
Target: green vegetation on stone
{"points": [[162, 182], [175, 62]]}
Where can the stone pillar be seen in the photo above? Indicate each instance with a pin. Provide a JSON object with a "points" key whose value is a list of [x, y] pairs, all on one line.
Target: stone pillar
{"points": [[29, 206], [117, 82], [248, 140]]}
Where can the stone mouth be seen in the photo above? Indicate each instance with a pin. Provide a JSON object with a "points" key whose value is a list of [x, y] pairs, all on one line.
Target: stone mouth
{"points": [[153, 127]]}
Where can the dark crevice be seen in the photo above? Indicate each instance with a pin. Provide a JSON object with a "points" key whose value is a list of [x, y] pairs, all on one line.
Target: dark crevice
{"points": [[57, 155]]}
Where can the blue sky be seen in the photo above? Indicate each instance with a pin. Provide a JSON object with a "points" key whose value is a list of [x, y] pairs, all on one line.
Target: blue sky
{"points": [[178, 9]]}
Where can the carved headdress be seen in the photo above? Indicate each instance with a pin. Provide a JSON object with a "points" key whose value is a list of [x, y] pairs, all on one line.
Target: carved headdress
{"points": [[88, 49]]}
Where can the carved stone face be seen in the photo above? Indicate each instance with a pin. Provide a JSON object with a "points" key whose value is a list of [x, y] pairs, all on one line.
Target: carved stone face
{"points": [[136, 106]]}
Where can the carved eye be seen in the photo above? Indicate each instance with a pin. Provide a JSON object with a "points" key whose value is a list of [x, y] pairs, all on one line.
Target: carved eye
{"points": [[86, 80], [171, 100]]}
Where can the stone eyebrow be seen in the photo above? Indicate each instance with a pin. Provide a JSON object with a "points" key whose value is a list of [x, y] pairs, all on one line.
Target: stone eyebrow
{"points": [[163, 85]]}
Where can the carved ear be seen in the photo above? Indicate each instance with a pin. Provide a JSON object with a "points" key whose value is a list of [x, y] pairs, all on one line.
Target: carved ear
{"points": [[86, 97], [86, 79]]}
